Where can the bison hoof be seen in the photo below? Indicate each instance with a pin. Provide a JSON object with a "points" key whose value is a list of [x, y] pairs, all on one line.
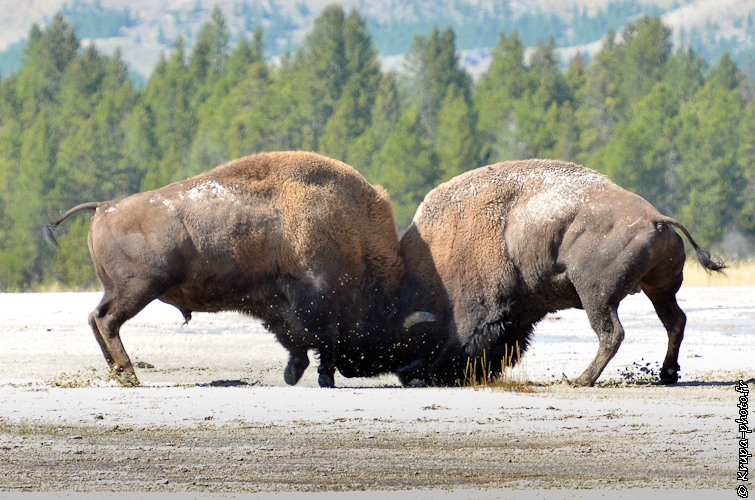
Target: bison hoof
{"points": [[582, 381], [292, 374], [669, 376], [326, 380], [126, 379]]}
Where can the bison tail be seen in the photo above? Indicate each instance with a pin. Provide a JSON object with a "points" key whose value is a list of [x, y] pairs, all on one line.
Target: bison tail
{"points": [[703, 255], [49, 230], [707, 261], [49, 235]]}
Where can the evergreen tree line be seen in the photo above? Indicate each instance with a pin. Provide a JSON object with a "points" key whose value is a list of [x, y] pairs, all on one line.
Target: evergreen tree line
{"points": [[659, 122]]}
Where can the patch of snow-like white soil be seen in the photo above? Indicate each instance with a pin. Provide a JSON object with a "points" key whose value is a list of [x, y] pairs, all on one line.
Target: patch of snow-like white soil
{"points": [[213, 391]]}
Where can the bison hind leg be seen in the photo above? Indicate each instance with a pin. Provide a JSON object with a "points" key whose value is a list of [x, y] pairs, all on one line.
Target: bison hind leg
{"points": [[100, 340], [105, 324], [119, 305], [674, 320]]}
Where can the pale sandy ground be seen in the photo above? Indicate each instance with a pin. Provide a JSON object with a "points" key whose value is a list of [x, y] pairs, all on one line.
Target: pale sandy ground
{"points": [[214, 416]]}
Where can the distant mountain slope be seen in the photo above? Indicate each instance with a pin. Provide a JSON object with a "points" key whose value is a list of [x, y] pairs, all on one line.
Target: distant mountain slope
{"points": [[143, 29]]}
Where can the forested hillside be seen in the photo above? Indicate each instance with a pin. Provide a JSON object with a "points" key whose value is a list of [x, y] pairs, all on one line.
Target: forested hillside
{"points": [[73, 128], [143, 29]]}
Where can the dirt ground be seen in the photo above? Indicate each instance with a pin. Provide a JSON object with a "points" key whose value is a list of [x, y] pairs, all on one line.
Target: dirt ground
{"points": [[213, 414], [559, 438]]}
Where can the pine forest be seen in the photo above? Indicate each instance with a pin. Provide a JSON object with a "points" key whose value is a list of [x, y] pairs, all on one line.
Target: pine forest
{"points": [[656, 119]]}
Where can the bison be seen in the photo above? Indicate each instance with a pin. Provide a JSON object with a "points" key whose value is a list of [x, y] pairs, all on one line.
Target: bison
{"points": [[492, 251], [299, 240]]}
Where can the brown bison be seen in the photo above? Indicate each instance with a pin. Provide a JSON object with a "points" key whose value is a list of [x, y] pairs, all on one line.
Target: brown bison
{"points": [[494, 250], [299, 240]]}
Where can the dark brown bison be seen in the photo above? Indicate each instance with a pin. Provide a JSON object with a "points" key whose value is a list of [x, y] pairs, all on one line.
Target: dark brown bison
{"points": [[494, 250], [299, 240]]}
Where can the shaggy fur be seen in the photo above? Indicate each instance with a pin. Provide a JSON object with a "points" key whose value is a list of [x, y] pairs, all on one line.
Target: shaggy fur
{"points": [[296, 239], [494, 250]]}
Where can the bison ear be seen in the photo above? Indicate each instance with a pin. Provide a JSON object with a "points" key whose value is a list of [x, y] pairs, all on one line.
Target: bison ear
{"points": [[419, 317]]}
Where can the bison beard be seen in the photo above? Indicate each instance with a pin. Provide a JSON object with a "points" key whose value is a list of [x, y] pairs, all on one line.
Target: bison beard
{"points": [[494, 250], [296, 239]]}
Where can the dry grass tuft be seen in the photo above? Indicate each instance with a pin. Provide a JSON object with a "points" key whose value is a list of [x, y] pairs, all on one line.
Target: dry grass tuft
{"points": [[513, 377], [58, 287], [739, 273]]}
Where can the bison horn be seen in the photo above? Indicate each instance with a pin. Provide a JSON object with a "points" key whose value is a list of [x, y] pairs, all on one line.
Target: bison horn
{"points": [[419, 317]]}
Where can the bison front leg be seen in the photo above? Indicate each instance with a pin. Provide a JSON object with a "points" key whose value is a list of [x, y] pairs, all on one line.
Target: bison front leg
{"points": [[327, 371], [327, 351], [298, 361], [308, 324], [605, 321]]}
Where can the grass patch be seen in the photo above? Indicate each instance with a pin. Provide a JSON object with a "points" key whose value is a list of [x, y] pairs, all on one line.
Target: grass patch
{"points": [[56, 286], [512, 378], [739, 273]]}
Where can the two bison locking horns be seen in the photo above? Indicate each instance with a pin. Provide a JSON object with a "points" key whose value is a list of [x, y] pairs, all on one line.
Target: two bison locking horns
{"points": [[307, 245]]}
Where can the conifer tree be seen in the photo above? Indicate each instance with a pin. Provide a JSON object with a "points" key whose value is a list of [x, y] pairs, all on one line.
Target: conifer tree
{"points": [[576, 78], [10, 133], [568, 134], [96, 97], [29, 156], [326, 72], [545, 77], [290, 110], [573, 123], [26, 211], [342, 126], [212, 144], [241, 117], [436, 67], [495, 97], [351, 114], [384, 115], [407, 166], [646, 47], [207, 67], [711, 183], [603, 102], [456, 141], [168, 99], [209, 56], [363, 69], [538, 112], [746, 164], [685, 74], [641, 156], [45, 58]]}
